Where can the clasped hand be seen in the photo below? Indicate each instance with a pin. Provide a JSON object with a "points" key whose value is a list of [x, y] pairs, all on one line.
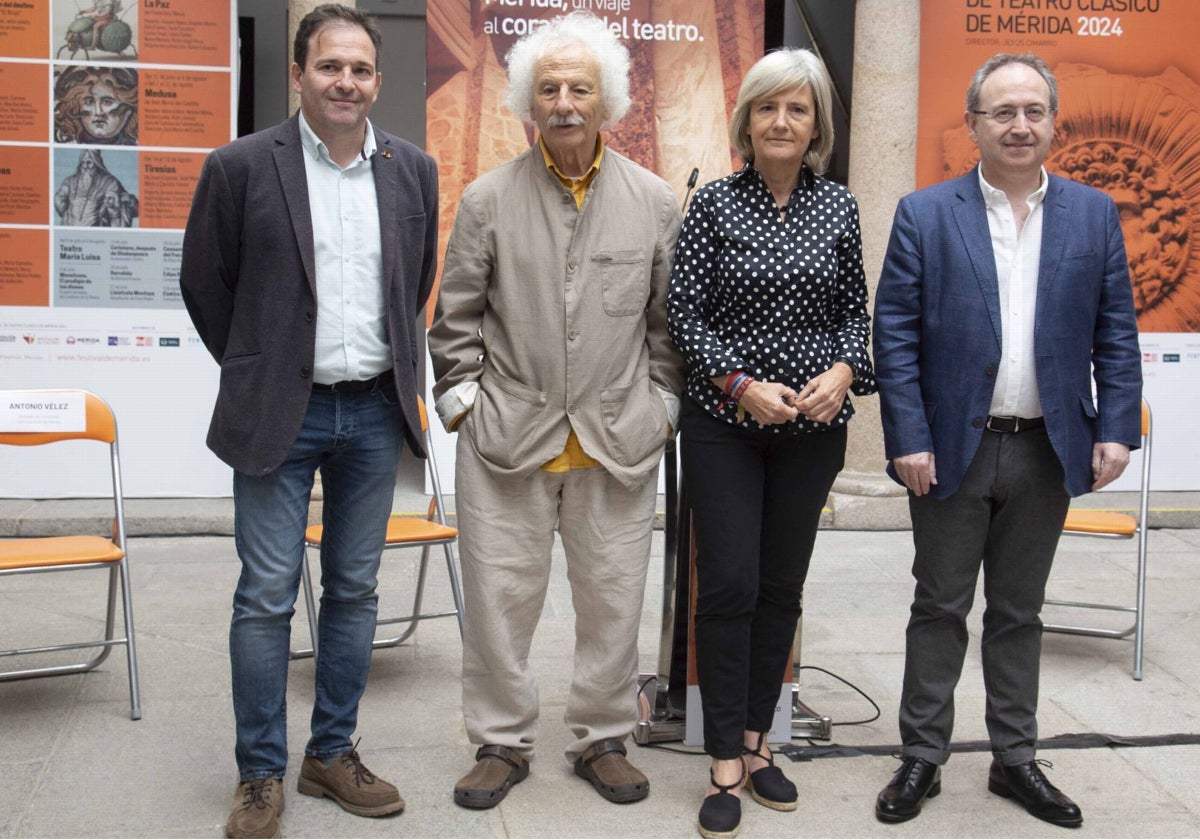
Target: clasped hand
{"points": [[819, 400]]}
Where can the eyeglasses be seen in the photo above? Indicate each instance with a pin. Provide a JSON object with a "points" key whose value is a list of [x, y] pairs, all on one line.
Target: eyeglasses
{"points": [[1006, 114]]}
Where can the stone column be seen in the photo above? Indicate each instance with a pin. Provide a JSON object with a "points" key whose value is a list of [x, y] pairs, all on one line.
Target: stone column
{"points": [[297, 9], [883, 137]]}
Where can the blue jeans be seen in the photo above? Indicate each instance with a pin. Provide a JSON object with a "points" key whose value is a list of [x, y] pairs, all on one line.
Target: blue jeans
{"points": [[355, 441]]}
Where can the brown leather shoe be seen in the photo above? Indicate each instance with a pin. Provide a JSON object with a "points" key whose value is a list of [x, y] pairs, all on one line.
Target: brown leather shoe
{"points": [[350, 784], [256, 809], [605, 766], [496, 770]]}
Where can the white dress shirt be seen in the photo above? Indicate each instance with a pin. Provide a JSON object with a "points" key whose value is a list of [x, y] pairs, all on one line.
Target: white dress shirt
{"points": [[352, 338], [1018, 258]]}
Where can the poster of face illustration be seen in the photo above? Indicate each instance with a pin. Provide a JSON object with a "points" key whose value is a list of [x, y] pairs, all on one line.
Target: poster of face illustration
{"points": [[110, 107]]}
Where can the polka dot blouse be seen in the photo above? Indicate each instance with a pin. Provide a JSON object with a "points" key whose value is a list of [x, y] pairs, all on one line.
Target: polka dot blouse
{"points": [[781, 299]]}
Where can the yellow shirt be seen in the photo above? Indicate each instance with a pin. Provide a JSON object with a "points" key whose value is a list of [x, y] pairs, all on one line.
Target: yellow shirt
{"points": [[573, 457]]}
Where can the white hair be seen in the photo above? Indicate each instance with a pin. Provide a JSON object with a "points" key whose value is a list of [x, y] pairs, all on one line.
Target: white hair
{"points": [[577, 28]]}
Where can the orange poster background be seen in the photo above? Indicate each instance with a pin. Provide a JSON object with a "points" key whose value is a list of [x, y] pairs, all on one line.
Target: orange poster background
{"points": [[1128, 123], [25, 32], [23, 102], [24, 176], [24, 267], [184, 32], [167, 182], [682, 89], [197, 116]]}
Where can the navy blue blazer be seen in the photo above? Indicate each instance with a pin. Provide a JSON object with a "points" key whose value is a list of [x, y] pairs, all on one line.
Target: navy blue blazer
{"points": [[937, 329], [249, 284]]}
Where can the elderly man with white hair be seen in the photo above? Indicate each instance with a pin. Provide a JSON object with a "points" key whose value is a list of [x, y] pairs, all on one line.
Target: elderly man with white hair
{"points": [[554, 366]]}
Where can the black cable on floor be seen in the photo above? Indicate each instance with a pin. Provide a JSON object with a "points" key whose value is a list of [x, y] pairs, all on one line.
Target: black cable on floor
{"points": [[1070, 741], [845, 681]]}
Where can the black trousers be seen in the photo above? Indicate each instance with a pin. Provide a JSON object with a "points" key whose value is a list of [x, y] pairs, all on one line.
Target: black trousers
{"points": [[756, 499]]}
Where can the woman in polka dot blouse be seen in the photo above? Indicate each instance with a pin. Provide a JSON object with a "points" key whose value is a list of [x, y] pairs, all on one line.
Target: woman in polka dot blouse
{"points": [[768, 304]]}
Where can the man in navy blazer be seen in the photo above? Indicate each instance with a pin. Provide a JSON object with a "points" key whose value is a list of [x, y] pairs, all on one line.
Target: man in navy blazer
{"points": [[1003, 295], [308, 256]]}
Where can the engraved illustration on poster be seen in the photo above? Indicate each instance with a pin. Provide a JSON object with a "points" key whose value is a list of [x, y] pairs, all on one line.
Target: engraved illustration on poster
{"points": [[687, 60], [1128, 123], [110, 109]]}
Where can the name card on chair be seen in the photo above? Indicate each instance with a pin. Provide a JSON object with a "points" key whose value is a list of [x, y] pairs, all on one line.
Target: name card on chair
{"points": [[43, 411]]}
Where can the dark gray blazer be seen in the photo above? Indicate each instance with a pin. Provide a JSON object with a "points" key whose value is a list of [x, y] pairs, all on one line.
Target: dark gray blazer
{"points": [[249, 284], [937, 329]]}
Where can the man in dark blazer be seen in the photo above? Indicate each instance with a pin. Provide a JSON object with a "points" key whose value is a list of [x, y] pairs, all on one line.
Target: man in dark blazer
{"points": [[1004, 293], [309, 253]]}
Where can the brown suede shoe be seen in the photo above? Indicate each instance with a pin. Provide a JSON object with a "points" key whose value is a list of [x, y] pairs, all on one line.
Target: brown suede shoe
{"points": [[496, 770], [256, 809], [605, 766], [350, 784]]}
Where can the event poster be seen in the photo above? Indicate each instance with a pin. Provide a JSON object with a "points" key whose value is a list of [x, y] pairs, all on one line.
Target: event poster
{"points": [[110, 108], [687, 61], [684, 79], [1128, 75]]}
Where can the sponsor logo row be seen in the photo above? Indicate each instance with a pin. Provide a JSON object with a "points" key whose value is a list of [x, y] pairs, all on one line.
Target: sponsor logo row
{"points": [[1153, 357], [111, 341]]}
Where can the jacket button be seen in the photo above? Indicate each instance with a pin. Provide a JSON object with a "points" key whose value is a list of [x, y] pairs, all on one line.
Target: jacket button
{"points": [[305, 373], [308, 317], [978, 422], [991, 370]]}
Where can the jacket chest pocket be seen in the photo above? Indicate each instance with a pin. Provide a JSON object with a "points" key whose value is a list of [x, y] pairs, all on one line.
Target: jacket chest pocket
{"points": [[624, 281]]}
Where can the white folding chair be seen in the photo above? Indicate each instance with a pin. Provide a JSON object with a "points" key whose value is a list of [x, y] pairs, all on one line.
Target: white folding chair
{"points": [[402, 532], [1092, 523], [78, 552]]}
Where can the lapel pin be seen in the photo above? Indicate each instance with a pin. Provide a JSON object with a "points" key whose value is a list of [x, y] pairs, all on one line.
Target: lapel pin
{"points": [[387, 154]]}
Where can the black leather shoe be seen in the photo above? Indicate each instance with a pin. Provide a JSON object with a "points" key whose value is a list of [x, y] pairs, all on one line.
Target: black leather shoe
{"points": [[914, 781], [1027, 784]]}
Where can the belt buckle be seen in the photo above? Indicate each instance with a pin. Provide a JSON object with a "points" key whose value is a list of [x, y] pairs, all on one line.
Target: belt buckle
{"points": [[1014, 428]]}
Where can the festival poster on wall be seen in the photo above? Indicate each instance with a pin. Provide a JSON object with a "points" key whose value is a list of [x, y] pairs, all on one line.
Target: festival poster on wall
{"points": [[111, 107], [684, 79], [1128, 123]]}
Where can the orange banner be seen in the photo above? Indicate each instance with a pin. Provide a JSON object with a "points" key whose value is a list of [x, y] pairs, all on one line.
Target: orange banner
{"points": [[23, 197], [184, 108], [185, 32], [24, 267], [23, 102], [1129, 120], [24, 29], [168, 180], [687, 61], [1128, 123]]}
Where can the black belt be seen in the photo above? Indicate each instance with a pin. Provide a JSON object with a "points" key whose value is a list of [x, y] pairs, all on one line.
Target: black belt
{"points": [[1014, 424], [353, 386]]}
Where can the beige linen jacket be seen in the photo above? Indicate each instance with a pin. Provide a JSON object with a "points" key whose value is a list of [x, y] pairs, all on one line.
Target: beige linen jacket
{"points": [[551, 318]]}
